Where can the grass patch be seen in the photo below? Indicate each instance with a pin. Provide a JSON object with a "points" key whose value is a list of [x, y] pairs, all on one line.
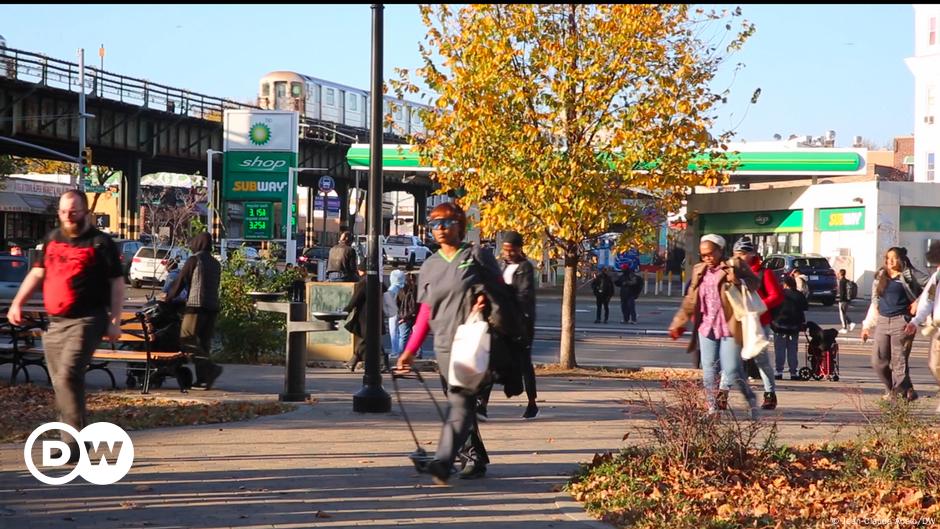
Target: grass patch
{"points": [[722, 472], [27, 406], [628, 373]]}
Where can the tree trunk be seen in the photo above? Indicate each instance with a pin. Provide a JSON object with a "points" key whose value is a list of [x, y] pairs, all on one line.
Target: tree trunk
{"points": [[567, 358]]}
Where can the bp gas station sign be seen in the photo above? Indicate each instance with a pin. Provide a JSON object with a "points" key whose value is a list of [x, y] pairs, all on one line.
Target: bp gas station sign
{"points": [[260, 152]]}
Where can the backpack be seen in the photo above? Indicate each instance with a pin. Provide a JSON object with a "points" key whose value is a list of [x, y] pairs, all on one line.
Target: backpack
{"points": [[851, 289], [407, 301]]}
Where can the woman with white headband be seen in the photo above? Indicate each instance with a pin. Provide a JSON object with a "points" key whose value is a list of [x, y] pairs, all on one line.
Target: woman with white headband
{"points": [[716, 333]]}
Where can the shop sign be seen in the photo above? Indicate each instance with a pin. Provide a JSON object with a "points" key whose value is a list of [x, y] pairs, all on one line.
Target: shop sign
{"points": [[762, 219]]}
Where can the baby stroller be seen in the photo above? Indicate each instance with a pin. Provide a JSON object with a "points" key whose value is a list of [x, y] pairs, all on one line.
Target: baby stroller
{"points": [[822, 354]]}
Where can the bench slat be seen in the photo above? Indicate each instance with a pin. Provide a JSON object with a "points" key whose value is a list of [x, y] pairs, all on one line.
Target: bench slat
{"points": [[135, 356]]}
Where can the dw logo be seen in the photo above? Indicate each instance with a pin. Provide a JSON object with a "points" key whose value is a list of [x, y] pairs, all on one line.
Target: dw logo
{"points": [[107, 453]]}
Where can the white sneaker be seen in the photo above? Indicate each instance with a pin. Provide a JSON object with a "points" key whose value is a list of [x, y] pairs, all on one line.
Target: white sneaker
{"points": [[851, 327], [843, 331]]}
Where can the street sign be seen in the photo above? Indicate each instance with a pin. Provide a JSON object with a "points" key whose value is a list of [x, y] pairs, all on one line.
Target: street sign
{"points": [[326, 184], [258, 220]]}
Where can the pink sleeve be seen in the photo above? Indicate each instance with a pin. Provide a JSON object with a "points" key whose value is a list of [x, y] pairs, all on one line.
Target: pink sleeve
{"points": [[420, 329]]}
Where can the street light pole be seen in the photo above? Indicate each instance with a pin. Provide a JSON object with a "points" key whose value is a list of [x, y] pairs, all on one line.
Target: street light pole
{"points": [[372, 398], [291, 245], [210, 191]]}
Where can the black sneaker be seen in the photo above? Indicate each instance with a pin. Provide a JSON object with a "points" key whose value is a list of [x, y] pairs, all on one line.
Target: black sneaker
{"points": [[778, 376], [531, 411], [439, 472], [216, 370], [472, 471]]}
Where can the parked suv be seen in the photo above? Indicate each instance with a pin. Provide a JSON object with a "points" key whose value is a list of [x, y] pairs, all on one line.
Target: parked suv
{"points": [[822, 278], [150, 264], [127, 249], [310, 258]]}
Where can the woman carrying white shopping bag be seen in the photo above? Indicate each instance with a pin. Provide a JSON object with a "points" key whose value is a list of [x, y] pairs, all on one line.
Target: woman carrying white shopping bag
{"points": [[716, 333], [448, 279]]}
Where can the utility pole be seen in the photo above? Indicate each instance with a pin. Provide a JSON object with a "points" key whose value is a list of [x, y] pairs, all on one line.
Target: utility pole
{"points": [[81, 116]]}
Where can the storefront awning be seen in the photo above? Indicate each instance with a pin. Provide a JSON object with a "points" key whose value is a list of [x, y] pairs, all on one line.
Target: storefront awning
{"points": [[24, 203]]}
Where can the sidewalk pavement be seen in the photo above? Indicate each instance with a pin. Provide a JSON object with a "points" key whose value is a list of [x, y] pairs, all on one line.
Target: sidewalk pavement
{"points": [[323, 465]]}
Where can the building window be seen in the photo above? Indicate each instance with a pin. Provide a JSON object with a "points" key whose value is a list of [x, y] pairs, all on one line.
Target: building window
{"points": [[265, 90], [930, 166], [933, 31], [353, 107], [931, 99], [330, 97]]}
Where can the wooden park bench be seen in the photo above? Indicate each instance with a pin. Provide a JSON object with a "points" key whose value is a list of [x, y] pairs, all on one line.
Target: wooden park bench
{"points": [[18, 343], [145, 364]]}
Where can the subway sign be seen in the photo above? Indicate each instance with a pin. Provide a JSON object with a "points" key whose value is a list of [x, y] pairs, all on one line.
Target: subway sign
{"points": [[842, 219], [257, 175]]}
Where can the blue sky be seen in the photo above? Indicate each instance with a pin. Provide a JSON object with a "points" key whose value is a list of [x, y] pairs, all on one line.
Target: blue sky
{"points": [[819, 67]]}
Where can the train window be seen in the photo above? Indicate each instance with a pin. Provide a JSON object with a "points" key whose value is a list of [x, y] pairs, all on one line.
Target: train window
{"points": [[280, 90], [296, 89], [330, 97], [352, 103], [265, 89]]}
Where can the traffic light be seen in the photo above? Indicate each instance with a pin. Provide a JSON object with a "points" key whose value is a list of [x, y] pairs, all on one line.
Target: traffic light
{"points": [[85, 162]]}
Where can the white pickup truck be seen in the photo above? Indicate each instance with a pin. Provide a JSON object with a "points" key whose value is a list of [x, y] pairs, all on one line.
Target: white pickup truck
{"points": [[405, 249]]}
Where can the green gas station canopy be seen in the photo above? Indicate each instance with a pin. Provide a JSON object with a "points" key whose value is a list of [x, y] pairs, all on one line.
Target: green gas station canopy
{"points": [[808, 161]]}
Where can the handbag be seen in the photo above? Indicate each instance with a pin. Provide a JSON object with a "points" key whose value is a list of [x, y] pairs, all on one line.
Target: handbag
{"points": [[470, 353]]}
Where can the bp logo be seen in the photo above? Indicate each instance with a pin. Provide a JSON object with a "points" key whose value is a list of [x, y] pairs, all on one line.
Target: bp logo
{"points": [[259, 134]]}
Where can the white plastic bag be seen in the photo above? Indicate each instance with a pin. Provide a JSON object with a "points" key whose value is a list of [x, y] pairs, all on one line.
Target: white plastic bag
{"points": [[470, 353], [753, 338]]}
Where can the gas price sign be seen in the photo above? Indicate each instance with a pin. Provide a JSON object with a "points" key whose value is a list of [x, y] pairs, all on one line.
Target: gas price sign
{"points": [[258, 220]]}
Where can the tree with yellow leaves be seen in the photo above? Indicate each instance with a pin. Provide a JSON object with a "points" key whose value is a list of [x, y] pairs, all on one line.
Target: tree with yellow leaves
{"points": [[563, 121]]}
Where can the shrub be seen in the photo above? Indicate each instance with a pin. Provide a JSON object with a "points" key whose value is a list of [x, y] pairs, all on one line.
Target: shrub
{"points": [[246, 334]]}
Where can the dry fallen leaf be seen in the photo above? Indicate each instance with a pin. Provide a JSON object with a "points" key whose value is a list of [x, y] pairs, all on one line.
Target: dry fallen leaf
{"points": [[321, 514]]}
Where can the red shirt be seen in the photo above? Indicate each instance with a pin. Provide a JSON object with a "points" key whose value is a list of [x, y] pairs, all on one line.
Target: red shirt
{"points": [[769, 291]]}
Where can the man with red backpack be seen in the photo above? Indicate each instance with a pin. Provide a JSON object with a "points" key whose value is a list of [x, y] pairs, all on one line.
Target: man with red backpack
{"points": [[772, 296]]}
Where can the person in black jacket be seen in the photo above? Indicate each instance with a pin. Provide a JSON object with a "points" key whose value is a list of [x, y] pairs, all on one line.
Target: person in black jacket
{"points": [[844, 299], [357, 322], [603, 287], [341, 264], [788, 320], [630, 287], [201, 276], [519, 273]]}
